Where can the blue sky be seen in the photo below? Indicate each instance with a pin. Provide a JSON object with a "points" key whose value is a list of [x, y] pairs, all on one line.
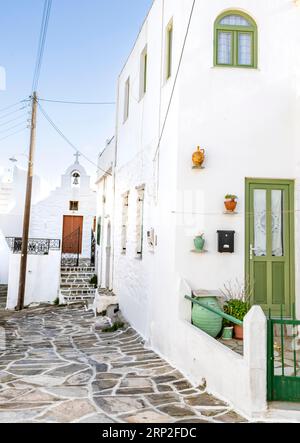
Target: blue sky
{"points": [[88, 42]]}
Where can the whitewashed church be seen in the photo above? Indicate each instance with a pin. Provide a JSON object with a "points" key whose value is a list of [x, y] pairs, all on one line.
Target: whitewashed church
{"points": [[62, 230]]}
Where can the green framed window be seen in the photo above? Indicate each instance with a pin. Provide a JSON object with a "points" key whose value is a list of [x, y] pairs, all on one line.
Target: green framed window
{"points": [[235, 42]]}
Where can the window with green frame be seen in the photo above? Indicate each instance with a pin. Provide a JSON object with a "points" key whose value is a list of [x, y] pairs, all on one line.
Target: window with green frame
{"points": [[235, 40]]}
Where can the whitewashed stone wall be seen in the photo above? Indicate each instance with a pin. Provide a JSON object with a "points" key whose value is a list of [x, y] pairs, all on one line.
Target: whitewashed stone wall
{"points": [[248, 122]]}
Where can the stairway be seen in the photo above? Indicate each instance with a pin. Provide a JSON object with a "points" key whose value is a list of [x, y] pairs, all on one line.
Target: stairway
{"points": [[75, 284], [3, 296]]}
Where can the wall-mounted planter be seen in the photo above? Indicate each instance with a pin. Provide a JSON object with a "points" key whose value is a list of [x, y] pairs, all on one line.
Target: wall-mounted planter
{"points": [[198, 158], [199, 242], [230, 203]]}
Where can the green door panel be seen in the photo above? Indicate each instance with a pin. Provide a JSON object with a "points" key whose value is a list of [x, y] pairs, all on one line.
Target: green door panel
{"points": [[270, 262]]}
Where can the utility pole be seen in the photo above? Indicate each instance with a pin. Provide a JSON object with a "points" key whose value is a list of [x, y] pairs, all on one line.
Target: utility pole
{"points": [[27, 209]]}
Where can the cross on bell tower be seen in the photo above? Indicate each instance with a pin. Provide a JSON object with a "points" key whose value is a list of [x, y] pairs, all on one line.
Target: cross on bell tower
{"points": [[77, 155]]}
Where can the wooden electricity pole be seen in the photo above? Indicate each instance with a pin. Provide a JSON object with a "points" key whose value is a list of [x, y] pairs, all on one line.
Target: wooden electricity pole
{"points": [[27, 209]]}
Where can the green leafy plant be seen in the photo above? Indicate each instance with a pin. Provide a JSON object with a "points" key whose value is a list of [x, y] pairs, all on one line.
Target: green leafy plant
{"points": [[237, 297], [231, 197], [56, 302], [237, 309], [114, 328]]}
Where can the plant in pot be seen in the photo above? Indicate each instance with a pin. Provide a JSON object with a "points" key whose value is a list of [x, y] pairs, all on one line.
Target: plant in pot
{"points": [[237, 304], [230, 202], [199, 242]]}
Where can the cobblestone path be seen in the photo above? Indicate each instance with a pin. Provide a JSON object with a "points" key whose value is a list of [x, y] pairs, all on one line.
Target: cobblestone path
{"points": [[56, 367]]}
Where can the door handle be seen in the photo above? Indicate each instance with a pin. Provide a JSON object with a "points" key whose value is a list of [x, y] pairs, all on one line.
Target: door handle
{"points": [[252, 249]]}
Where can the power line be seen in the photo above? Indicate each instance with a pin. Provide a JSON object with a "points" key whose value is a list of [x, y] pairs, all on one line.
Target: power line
{"points": [[13, 112], [42, 41], [77, 102], [75, 148], [175, 81], [10, 107], [13, 127], [12, 120], [14, 133]]}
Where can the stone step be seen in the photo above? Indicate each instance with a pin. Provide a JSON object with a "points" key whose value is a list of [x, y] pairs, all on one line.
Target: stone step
{"points": [[80, 269], [75, 292], [77, 275], [77, 280], [80, 285]]}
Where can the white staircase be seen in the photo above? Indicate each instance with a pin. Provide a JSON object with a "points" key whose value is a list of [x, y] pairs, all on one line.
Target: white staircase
{"points": [[76, 286]]}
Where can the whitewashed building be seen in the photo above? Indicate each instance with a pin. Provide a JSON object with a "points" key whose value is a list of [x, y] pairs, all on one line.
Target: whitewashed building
{"points": [[61, 235], [105, 216], [226, 77], [12, 199]]}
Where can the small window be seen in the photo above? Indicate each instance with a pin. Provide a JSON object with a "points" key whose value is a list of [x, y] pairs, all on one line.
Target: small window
{"points": [[235, 40], [74, 206], [169, 49], [126, 99], [144, 73], [125, 207], [140, 221]]}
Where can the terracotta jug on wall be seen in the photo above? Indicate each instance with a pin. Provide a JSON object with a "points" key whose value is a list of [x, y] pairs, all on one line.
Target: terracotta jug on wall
{"points": [[198, 157]]}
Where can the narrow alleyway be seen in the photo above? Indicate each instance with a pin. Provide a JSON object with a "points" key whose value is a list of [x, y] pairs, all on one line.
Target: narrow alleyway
{"points": [[56, 367]]}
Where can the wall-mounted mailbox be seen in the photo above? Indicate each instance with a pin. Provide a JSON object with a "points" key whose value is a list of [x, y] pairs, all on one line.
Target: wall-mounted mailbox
{"points": [[226, 241]]}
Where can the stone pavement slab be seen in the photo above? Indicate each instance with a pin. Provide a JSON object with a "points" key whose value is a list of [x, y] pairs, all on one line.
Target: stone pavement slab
{"points": [[56, 366]]}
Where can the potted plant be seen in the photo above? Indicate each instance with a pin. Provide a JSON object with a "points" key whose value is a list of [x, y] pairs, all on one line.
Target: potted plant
{"points": [[230, 202], [237, 304], [199, 242]]}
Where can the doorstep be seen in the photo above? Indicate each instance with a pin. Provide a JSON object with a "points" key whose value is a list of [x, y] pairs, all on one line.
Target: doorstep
{"points": [[283, 411]]}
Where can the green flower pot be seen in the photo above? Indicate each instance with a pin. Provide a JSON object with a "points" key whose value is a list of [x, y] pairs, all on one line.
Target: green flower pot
{"points": [[227, 333], [206, 320], [199, 243]]}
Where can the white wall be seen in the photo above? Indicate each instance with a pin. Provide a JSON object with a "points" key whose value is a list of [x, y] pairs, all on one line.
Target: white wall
{"points": [[42, 278], [105, 210], [4, 257], [247, 121]]}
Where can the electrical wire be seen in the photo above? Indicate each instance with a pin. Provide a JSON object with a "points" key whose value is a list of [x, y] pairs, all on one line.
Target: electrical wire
{"points": [[14, 133], [68, 141], [13, 127], [175, 81], [12, 120], [42, 42], [13, 112], [77, 102], [10, 107]]}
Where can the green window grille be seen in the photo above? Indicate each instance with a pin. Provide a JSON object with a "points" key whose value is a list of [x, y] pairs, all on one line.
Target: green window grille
{"points": [[235, 42]]}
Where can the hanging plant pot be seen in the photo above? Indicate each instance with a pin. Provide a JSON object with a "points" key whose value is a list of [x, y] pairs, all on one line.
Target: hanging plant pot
{"points": [[206, 320], [230, 205], [230, 202]]}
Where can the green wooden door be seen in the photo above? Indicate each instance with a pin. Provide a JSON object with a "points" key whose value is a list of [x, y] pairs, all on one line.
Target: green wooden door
{"points": [[270, 244]]}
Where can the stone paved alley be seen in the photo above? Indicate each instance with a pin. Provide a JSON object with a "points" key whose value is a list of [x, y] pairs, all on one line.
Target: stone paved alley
{"points": [[56, 367]]}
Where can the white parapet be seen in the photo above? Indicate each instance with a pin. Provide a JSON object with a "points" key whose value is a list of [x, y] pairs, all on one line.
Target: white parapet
{"points": [[241, 380]]}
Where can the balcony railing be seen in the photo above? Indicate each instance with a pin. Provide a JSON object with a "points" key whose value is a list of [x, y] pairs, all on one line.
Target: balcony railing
{"points": [[36, 246]]}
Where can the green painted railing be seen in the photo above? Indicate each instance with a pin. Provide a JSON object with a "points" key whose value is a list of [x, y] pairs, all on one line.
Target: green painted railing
{"points": [[284, 376], [215, 311]]}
